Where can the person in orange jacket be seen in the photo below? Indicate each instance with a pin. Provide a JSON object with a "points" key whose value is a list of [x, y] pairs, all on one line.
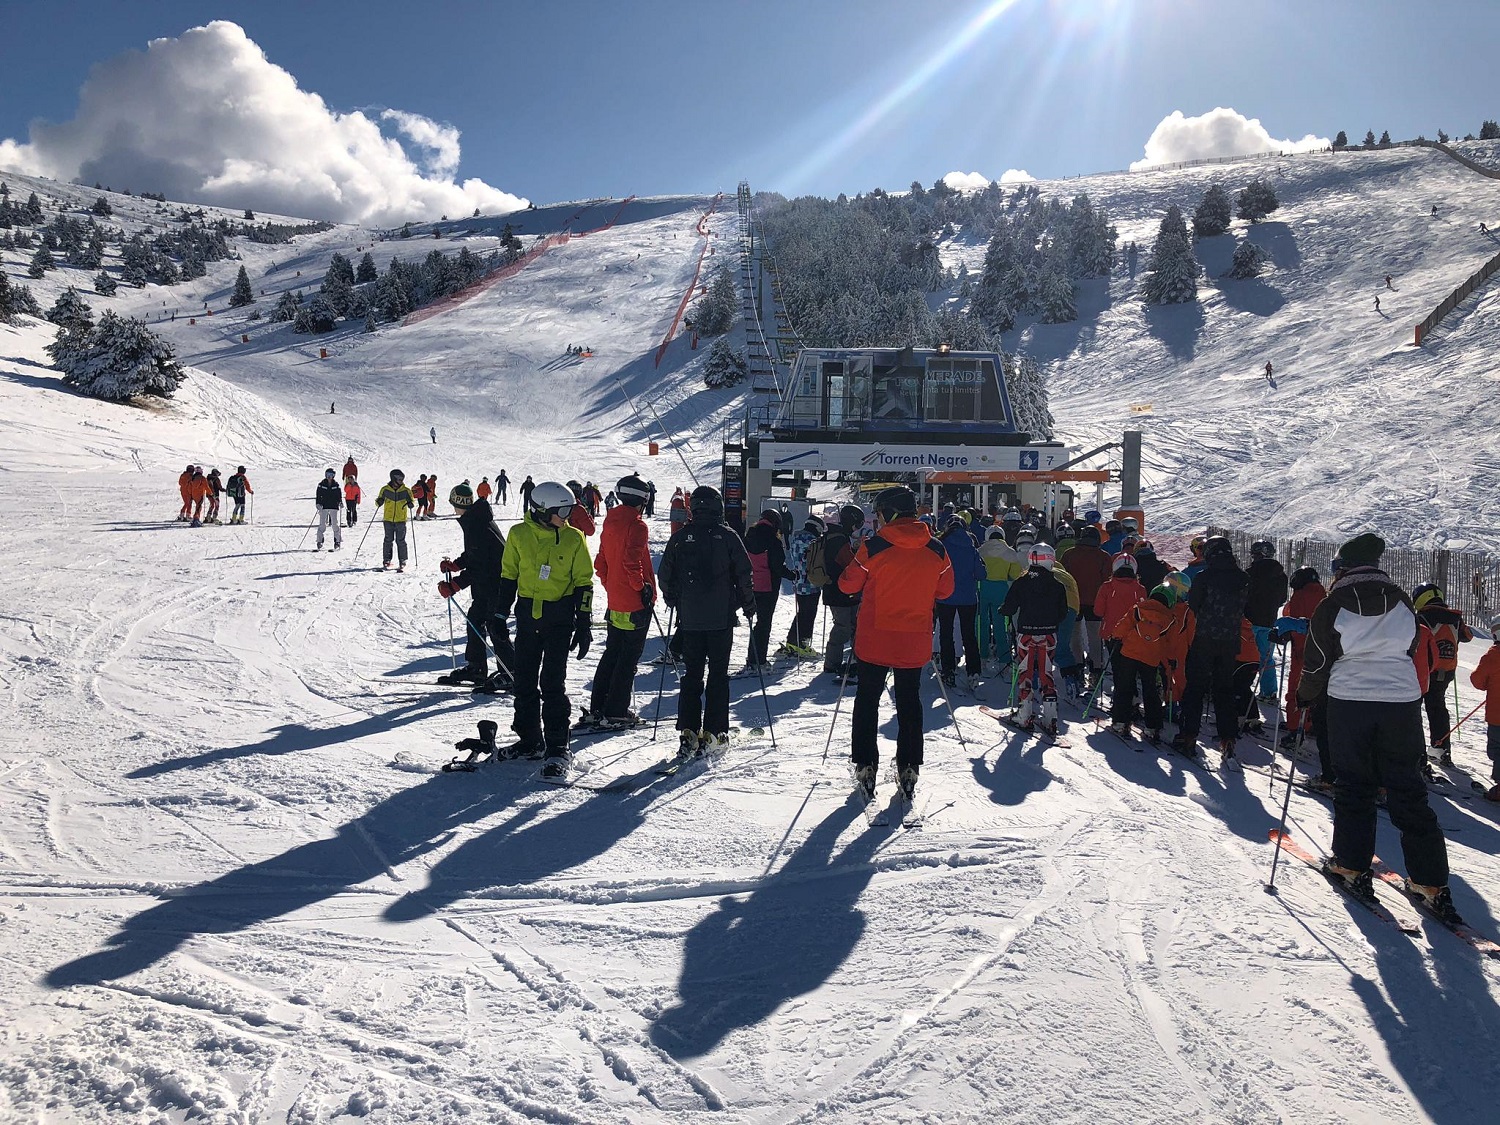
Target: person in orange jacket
{"points": [[1141, 640], [1486, 677], [432, 498], [624, 566], [1245, 673], [484, 491], [198, 490], [1118, 596], [900, 573], [352, 497], [185, 486], [1178, 640]]}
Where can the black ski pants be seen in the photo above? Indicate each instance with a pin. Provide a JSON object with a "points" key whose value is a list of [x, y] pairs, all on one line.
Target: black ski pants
{"points": [[704, 650], [1128, 673], [806, 621], [482, 616], [1210, 675], [542, 710], [351, 512], [968, 617], [1436, 702], [614, 678], [760, 629], [1375, 746], [395, 533], [908, 691]]}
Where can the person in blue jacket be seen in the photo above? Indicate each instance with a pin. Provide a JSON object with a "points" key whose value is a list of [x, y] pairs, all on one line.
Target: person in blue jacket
{"points": [[963, 603]]}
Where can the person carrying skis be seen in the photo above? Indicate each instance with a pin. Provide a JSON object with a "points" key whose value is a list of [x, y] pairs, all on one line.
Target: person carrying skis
{"points": [[898, 574], [623, 564], [1359, 647], [1266, 595], [1090, 567], [768, 567], [1448, 631], [808, 596], [545, 572], [478, 569], [238, 487], [961, 605], [1037, 602], [395, 501], [705, 578], [330, 501], [839, 546], [502, 487], [1486, 677], [185, 487], [352, 496], [1142, 638], [1217, 599], [527, 486], [350, 469]]}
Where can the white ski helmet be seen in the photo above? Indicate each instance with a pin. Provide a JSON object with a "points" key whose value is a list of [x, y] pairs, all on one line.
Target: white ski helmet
{"points": [[1042, 555], [550, 497]]}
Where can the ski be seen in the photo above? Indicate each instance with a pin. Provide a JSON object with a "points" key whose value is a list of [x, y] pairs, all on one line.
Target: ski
{"points": [[1461, 929], [1046, 736], [1292, 848]]}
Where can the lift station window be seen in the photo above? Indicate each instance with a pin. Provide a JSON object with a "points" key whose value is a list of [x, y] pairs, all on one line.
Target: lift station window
{"points": [[961, 390]]}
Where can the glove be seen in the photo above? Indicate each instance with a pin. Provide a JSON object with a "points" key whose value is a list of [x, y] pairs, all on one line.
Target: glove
{"points": [[648, 596], [1113, 646], [748, 609], [583, 634], [448, 566], [447, 589]]}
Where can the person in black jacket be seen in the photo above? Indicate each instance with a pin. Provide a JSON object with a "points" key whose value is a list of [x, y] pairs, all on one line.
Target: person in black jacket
{"points": [[1267, 594], [1217, 599], [478, 569], [1038, 602], [839, 546], [1150, 571], [329, 498], [705, 577]]}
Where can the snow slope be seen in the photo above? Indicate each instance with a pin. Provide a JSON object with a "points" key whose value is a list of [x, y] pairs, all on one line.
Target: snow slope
{"points": [[233, 887]]}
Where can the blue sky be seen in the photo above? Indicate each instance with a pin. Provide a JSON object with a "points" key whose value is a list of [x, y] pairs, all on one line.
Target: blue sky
{"points": [[574, 98]]}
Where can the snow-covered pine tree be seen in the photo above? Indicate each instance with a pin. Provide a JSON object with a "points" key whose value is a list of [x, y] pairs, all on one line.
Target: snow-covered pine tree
{"points": [[1442, 137], [287, 306], [15, 300], [1027, 390], [70, 312], [1247, 261], [1056, 296], [317, 316], [104, 285], [366, 271], [1172, 276], [725, 367], [41, 262], [1212, 215], [243, 294], [1256, 200], [339, 268], [714, 313], [119, 359]]}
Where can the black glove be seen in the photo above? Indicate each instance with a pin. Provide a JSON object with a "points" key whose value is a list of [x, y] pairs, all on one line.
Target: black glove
{"points": [[1113, 646], [583, 634], [748, 609], [648, 596]]}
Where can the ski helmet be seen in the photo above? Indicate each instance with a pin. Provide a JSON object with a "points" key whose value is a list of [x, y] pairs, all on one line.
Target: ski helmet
{"points": [[1177, 582], [1027, 534], [241, 469], [397, 474], [772, 517], [1091, 516], [1042, 555], [814, 524], [1089, 536], [632, 490], [1428, 593], [707, 504], [1124, 561], [188, 469], [1262, 549], [1196, 546], [1302, 576], [576, 489], [330, 474], [1216, 545], [896, 502], [1011, 516], [1129, 524], [1164, 594], [1495, 628], [1111, 526], [1144, 547], [851, 517], [550, 499]]}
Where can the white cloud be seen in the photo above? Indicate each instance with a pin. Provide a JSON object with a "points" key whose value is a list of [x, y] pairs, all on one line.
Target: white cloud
{"points": [[977, 181], [1219, 132], [206, 117]]}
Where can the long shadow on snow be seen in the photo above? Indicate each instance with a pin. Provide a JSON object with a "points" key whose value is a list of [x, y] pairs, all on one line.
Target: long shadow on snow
{"points": [[1177, 327], [1017, 773], [1251, 296], [1049, 342], [749, 957], [407, 824], [290, 738]]}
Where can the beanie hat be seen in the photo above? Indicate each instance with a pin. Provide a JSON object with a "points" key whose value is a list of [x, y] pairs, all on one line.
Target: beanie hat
{"points": [[632, 490], [461, 496], [1363, 550]]}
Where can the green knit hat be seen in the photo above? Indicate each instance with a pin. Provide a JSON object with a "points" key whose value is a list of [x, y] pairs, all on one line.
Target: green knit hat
{"points": [[461, 496], [1363, 550]]}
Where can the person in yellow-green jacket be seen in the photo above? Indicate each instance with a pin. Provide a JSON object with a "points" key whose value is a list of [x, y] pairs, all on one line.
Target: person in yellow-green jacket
{"points": [[394, 501], [547, 574], [1001, 568]]}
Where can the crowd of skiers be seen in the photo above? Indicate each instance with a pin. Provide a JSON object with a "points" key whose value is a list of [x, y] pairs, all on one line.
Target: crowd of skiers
{"points": [[199, 489]]}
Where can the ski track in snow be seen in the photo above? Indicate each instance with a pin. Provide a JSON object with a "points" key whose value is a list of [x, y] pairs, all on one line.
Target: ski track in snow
{"points": [[233, 887]]}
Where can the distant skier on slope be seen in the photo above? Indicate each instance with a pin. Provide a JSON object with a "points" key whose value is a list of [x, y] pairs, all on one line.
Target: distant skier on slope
{"points": [[432, 431], [526, 488], [502, 487], [238, 486]]}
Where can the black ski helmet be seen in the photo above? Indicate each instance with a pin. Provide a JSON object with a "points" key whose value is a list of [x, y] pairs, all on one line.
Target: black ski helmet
{"points": [[633, 490], [706, 503], [1217, 545], [1262, 549], [1089, 535], [241, 469], [772, 517], [1302, 576], [896, 502], [851, 517]]}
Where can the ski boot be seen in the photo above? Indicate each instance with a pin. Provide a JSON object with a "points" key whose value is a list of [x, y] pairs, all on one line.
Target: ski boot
{"points": [[908, 783], [1446, 757], [1437, 901], [555, 765], [1121, 729], [712, 745], [688, 747], [1049, 714], [468, 674], [1025, 715], [1358, 883], [628, 721], [1226, 751], [1187, 745], [864, 782], [1320, 784], [1152, 735], [586, 720], [521, 748], [1493, 792]]}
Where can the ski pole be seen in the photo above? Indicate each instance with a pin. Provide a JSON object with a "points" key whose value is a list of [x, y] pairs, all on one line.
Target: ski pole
{"points": [[486, 642], [452, 655], [1276, 726], [1462, 721], [843, 680], [760, 670], [1449, 751], [252, 507], [661, 680], [309, 528], [1098, 687], [362, 538], [942, 687], [413, 525], [1286, 801]]}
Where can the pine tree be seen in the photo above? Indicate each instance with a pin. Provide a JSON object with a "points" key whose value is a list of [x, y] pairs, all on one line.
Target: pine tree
{"points": [[1172, 277], [1342, 140], [1256, 201], [1442, 137], [1212, 215], [104, 285], [287, 306], [725, 367], [102, 208], [1489, 131], [34, 208], [339, 268], [367, 270], [317, 316], [714, 314], [1369, 138], [71, 312], [1247, 261], [41, 262], [15, 300], [1385, 139], [1057, 297], [119, 359], [249, 215], [243, 294]]}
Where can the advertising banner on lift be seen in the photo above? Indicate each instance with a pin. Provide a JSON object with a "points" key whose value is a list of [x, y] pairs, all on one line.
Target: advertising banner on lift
{"points": [[878, 458]]}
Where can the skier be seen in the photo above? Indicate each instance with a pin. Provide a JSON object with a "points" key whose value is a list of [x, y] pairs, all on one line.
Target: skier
{"points": [[351, 501], [839, 546], [1268, 372], [1196, 564], [961, 604], [1359, 649], [395, 501], [1217, 599], [579, 515], [898, 574], [198, 489], [1000, 570], [430, 508], [484, 491], [1448, 631], [350, 468], [545, 571], [478, 569], [527, 486], [1377, 302], [650, 498], [808, 596], [238, 487], [185, 487], [1307, 593], [610, 501], [768, 567], [1037, 602], [705, 577], [1486, 677], [432, 432], [624, 566], [1150, 570], [419, 495], [1090, 568], [1142, 639], [215, 488], [1266, 595], [329, 501], [1117, 595], [502, 488]]}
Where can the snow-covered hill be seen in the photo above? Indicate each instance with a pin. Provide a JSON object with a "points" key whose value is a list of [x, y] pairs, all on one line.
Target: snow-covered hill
{"points": [[233, 887]]}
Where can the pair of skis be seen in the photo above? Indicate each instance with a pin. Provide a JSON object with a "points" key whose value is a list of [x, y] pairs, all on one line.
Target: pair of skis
{"points": [[1007, 720]]}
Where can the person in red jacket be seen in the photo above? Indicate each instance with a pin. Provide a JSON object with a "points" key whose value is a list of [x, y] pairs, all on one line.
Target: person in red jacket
{"points": [[1245, 673], [1144, 636], [1118, 596], [1089, 565], [623, 564], [1307, 593], [579, 515], [900, 573], [1486, 677]]}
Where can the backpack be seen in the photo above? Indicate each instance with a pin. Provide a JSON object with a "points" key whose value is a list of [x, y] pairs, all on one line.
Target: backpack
{"points": [[1445, 637], [817, 562]]}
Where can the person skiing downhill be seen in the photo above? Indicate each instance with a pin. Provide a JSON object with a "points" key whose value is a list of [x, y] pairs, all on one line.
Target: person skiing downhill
{"points": [[330, 501], [546, 574], [502, 487], [624, 566], [1038, 603], [478, 569], [395, 501], [898, 574]]}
